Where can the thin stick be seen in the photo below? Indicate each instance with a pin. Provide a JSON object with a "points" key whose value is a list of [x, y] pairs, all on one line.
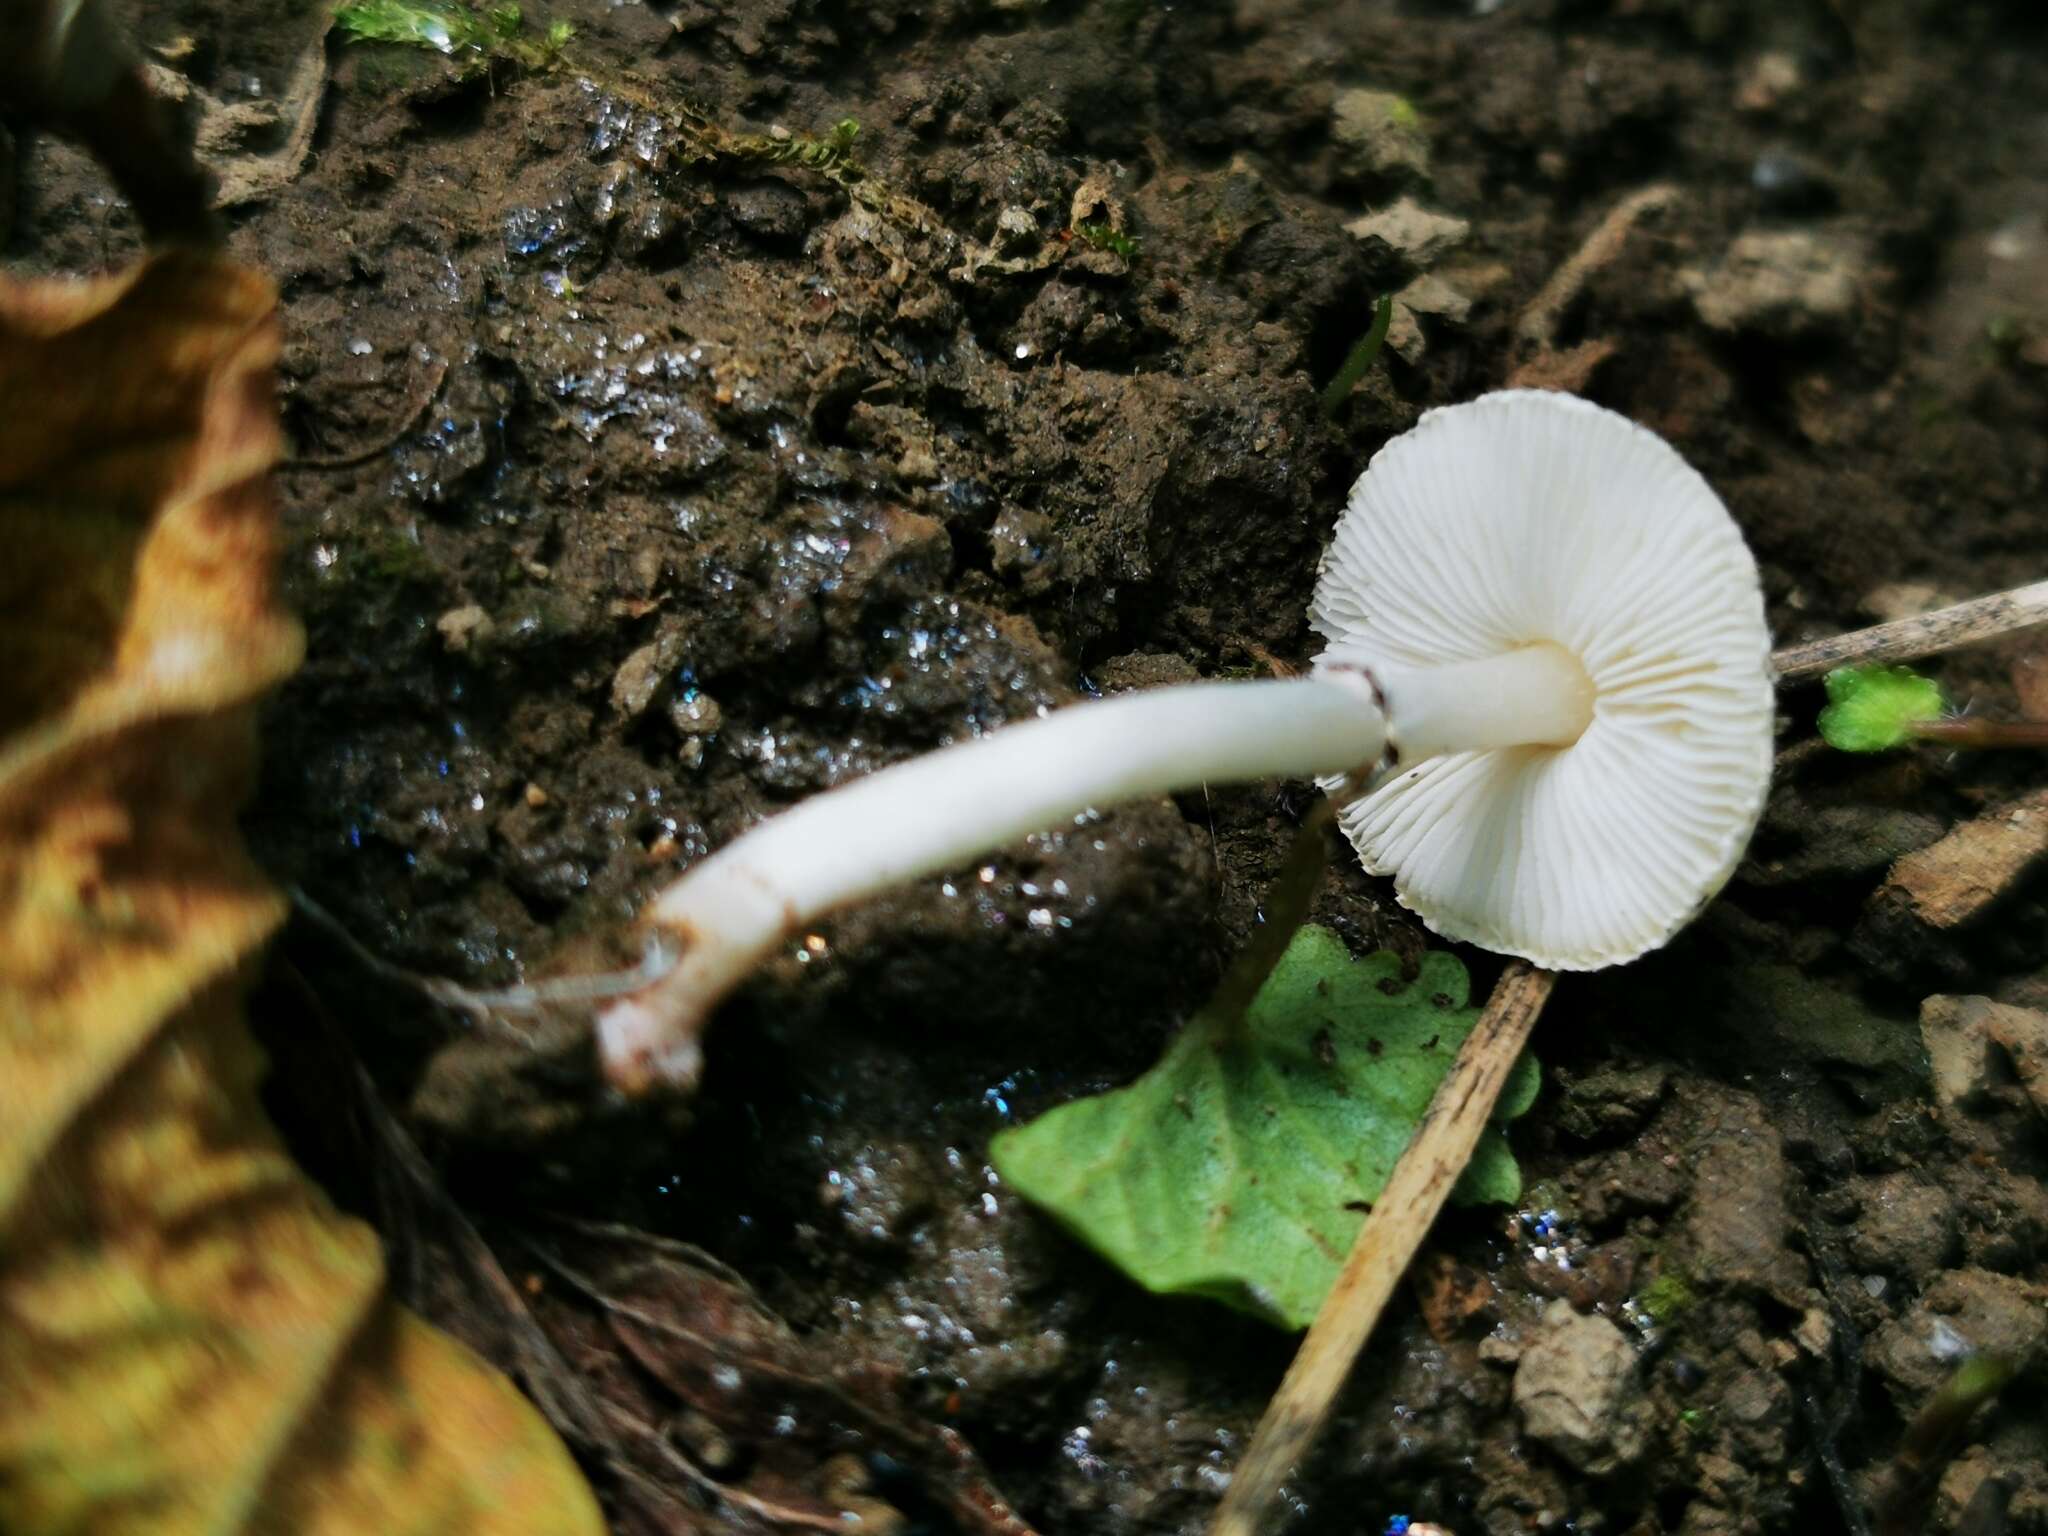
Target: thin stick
{"points": [[1944, 629], [1968, 731], [1415, 1192]]}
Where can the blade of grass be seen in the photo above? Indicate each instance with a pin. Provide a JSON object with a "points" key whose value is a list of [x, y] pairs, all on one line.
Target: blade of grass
{"points": [[1362, 357]]}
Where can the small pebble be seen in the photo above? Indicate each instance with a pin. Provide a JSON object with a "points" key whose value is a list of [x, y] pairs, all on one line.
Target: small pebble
{"points": [[1784, 183]]}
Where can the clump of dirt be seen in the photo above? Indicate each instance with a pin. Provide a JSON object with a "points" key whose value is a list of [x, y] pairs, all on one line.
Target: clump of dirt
{"points": [[665, 454]]}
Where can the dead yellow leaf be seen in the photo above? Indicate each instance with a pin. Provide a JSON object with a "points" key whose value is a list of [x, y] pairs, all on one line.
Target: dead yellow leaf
{"points": [[191, 1338]]}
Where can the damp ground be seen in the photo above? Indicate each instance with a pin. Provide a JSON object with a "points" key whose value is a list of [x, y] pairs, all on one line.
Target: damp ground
{"points": [[663, 452]]}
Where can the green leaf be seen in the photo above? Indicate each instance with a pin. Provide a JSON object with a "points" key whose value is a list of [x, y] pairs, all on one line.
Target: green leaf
{"points": [[1238, 1168], [1873, 709]]}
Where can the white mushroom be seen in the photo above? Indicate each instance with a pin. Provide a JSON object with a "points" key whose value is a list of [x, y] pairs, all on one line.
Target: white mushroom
{"points": [[1565, 634], [1569, 634]]}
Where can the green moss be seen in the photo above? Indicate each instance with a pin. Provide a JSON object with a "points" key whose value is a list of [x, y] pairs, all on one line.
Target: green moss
{"points": [[830, 155], [1104, 238], [1668, 1297], [389, 560], [474, 34]]}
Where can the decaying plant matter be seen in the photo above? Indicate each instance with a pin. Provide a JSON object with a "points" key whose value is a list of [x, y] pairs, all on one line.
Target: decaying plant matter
{"points": [[192, 1337]]}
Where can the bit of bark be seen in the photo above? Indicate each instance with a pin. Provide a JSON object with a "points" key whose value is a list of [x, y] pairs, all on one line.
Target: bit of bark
{"points": [[1956, 879]]}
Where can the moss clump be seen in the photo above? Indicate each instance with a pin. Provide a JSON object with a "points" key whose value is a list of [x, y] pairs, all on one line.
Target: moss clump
{"points": [[832, 154], [449, 27], [1668, 1297], [389, 561], [1105, 238]]}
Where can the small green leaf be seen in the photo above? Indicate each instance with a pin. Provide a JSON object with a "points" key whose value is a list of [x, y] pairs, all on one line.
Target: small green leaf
{"points": [[1873, 709], [1239, 1167]]}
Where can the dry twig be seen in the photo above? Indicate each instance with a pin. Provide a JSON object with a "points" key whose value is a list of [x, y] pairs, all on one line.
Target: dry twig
{"points": [[1981, 618]]}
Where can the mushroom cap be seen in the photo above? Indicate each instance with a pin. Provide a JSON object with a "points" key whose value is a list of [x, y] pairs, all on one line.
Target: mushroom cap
{"points": [[1529, 516]]}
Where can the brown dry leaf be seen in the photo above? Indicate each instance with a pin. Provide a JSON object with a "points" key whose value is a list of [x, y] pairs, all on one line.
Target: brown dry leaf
{"points": [[784, 1433], [1450, 1294], [191, 1338]]}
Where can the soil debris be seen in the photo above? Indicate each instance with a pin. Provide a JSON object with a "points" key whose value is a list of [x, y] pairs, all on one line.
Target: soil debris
{"points": [[1544, 361], [1380, 138], [253, 148], [838, 445], [1956, 880], [1907, 1225], [788, 1438], [1785, 284], [1734, 1228], [1574, 1387], [1964, 1313], [2023, 1032], [1422, 236]]}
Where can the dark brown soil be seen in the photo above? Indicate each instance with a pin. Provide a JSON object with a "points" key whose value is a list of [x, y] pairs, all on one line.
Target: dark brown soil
{"points": [[644, 485]]}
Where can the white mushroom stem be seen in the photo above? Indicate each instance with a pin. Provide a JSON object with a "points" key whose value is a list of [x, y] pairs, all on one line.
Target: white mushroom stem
{"points": [[935, 813], [1537, 696]]}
